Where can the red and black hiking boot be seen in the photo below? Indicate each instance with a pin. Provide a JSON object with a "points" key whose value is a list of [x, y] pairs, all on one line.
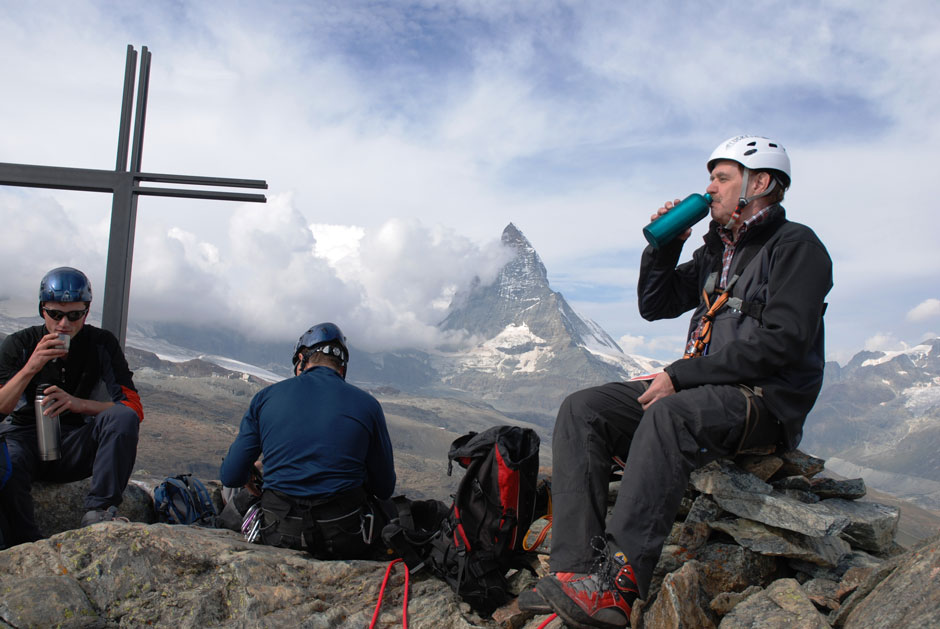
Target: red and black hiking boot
{"points": [[603, 598], [531, 601]]}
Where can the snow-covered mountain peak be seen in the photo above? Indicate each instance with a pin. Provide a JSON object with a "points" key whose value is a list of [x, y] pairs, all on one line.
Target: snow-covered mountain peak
{"points": [[524, 278]]}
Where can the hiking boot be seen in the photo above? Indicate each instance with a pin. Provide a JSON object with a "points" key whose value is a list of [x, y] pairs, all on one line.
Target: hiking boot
{"points": [[531, 601], [603, 598], [95, 515]]}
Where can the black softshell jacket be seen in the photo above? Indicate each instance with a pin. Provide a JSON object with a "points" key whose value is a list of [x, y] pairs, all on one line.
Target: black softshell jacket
{"points": [[784, 275]]}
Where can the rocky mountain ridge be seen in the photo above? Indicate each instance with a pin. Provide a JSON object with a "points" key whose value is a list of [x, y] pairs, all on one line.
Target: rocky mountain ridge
{"points": [[534, 348], [877, 417]]}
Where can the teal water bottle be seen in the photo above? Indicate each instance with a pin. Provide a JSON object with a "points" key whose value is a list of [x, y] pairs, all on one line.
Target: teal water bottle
{"points": [[691, 210]]}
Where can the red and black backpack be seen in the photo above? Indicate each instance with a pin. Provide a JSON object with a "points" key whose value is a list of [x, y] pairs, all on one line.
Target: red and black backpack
{"points": [[478, 540], [481, 537]]}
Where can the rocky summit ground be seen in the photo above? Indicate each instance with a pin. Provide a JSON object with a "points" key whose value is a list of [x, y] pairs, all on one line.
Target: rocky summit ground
{"points": [[762, 541]]}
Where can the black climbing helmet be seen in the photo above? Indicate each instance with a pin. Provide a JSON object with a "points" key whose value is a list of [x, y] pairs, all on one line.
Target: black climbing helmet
{"points": [[323, 337]]}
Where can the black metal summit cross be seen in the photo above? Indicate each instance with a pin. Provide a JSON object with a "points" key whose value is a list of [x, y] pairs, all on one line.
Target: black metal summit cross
{"points": [[125, 187]]}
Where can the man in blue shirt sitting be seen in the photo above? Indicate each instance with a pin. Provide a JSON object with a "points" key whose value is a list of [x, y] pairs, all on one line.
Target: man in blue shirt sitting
{"points": [[327, 454]]}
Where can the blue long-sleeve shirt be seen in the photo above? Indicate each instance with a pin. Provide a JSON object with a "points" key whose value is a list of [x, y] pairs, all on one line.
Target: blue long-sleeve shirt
{"points": [[319, 435]]}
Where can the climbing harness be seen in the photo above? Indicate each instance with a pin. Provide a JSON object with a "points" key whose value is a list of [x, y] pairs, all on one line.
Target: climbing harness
{"points": [[704, 331]]}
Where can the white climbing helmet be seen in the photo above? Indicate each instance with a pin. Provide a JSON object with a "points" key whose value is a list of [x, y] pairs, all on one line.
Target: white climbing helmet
{"points": [[754, 153]]}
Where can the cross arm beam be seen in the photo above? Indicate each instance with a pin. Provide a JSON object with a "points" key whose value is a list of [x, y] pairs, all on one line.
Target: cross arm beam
{"points": [[203, 181], [59, 177], [200, 194]]}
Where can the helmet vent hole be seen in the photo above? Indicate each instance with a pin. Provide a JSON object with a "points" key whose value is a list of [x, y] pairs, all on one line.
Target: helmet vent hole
{"points": [[750, 151]]}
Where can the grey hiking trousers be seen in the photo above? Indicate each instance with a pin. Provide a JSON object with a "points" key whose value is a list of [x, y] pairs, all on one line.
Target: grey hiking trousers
{"points": [[104, 447], [661, 447]]}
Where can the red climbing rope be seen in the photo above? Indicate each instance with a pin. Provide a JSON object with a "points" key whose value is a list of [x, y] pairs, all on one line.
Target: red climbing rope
{"points": [[404, 605], [546, 621]]}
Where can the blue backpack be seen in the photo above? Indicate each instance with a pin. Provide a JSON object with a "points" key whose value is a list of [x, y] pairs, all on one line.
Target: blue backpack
{"points": [[183, 499]]}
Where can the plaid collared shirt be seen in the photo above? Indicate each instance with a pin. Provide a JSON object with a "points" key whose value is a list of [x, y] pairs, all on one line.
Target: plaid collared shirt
{"points": [[727, 237]]}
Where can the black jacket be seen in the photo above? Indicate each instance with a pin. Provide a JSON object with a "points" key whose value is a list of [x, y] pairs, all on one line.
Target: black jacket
{"points": [[95, 369], [784, 275]]}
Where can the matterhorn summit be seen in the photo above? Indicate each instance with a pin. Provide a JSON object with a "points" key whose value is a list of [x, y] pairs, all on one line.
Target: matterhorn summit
{"points": [[532, 348]]}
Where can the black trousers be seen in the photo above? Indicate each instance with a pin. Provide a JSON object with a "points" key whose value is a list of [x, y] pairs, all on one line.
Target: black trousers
{"points": [[661, 447], [104, 447]]}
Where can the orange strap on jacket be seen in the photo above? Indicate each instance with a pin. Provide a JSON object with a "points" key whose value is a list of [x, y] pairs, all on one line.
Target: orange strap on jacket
{"points": [[706, 326]]}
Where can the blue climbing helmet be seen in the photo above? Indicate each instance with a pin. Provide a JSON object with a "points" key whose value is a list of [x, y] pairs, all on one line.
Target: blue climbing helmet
{"points": [[323, 337], [64, 284]]}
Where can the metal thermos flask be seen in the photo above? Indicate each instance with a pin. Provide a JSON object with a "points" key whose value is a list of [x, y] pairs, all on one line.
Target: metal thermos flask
{"points": [[48, 431], [691, 210]]}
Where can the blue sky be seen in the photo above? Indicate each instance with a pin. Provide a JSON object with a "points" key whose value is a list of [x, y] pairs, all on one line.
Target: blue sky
{"points": [[399, 139]]}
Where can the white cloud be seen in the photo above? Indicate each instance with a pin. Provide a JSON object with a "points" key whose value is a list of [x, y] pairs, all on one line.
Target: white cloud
{"points": [[262, 273], [884, 342], [335, 243], [38, 234], [632, 344], [398, 123], [927, 309], [664, 347]]}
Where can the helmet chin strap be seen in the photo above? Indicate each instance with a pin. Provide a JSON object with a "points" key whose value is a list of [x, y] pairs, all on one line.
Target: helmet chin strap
{"points": [[743, 200]]}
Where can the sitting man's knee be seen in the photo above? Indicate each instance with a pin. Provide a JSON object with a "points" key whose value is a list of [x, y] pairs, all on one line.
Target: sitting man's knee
{"points": [[120, 418], [578, 403]]}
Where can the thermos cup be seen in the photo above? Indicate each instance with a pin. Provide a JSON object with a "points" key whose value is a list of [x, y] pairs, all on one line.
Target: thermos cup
{"points": [[691, 210], [48, 432]]}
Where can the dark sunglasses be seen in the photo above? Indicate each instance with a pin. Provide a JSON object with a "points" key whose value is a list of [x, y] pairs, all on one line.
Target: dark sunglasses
{"points": [[57, 315]]}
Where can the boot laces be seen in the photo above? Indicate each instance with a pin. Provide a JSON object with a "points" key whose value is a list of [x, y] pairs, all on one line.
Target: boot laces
{"points": [[606, 569]]}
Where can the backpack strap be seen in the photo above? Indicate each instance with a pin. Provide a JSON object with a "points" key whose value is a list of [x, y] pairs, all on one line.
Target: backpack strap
{"points": [[710, 283], [410, 534], [176, 503], [708, 317], [749, 308], [405, 516], [206, 508], [742, 258]]}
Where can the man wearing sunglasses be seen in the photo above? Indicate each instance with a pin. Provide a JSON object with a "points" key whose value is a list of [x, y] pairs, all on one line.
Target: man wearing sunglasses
{"points": [[84, 376]]}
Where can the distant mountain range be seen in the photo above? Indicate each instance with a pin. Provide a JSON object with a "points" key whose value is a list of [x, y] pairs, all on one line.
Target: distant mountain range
{"points": [[876, 417]]}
